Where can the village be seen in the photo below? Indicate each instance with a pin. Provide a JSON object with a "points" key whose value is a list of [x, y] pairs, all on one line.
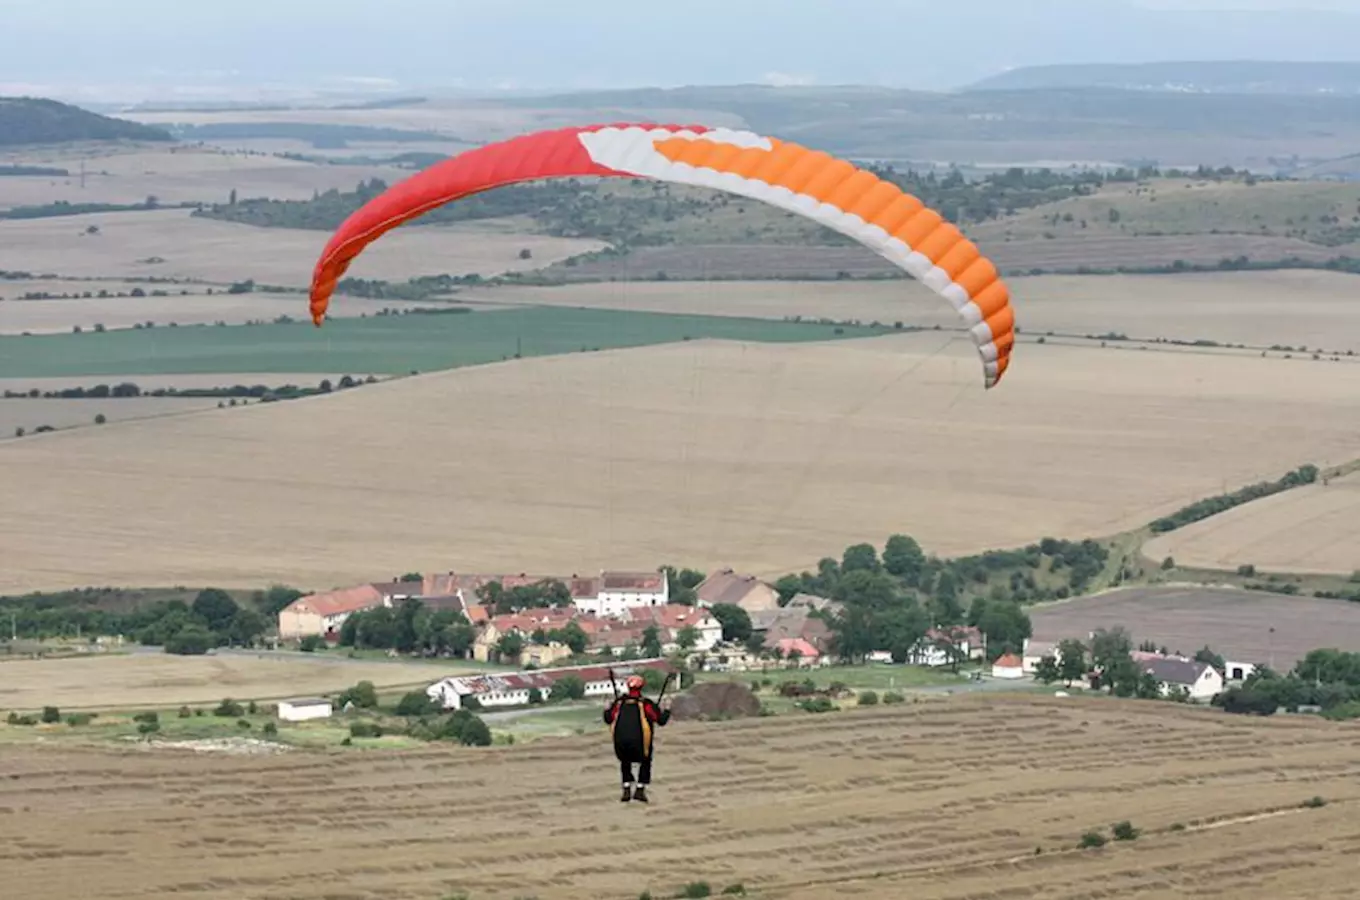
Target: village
{"points": [[630, 621]]}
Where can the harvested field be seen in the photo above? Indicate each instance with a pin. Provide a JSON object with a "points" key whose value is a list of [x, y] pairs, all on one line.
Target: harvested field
{"points": [[762, 457], [804, 807], [30, 414], [224, 252], [174, 175], [197, 308], [1309, 530], [137, 680], [696, 262], [1293, 308], [1235, 623]]}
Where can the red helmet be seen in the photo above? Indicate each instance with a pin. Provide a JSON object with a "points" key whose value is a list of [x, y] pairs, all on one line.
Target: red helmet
{"points": [[635, 684]]}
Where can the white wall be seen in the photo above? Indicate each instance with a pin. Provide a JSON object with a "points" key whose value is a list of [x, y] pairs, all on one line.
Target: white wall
{"points": [[290, 713]]}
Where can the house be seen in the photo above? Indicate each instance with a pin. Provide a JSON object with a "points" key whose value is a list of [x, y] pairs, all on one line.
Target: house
{"points": [[934, 649], [812, 601], [1237, 672], [673, 618], [1200, 681], [1037, 650], [728, 588], [620, 591], [790, 622], [324, 614], [514, 688], [799, 650], [1008, 665], [305, 708]]}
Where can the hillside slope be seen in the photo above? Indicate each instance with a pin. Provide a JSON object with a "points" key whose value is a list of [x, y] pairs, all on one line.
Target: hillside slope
{"points": [[32, 120], [1218, 77]]}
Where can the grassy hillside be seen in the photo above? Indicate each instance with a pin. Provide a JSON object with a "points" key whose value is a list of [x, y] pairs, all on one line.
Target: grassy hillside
{"points": [[381, 344], [1228, 76], [29, 120]]}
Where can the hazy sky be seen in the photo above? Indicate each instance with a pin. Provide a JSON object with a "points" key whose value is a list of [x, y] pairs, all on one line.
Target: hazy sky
{"points": [[137, 45]]}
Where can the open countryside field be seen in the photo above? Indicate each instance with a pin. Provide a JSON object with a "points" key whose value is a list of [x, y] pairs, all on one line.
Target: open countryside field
{"points": [[1315, 529], [31, 414], [762, 457], [224, 252], [1244, 626], [866, 803], [198, 308], [380, 344], [172, 174], [134, 680], [1296, 309]]}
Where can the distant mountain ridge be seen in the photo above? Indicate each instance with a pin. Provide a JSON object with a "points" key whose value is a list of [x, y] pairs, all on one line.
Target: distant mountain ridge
{"points": [[33, 120], [1228, 77]]}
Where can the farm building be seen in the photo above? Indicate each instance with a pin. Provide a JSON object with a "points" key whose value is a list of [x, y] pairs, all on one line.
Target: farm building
{"points": [[1037, 650], [800, 650], [1008, 665], [775, 625], [673, 618], [1200, 680], [728, 588], [514, 688], [323, 614], [302, 709], [1237, 672]]}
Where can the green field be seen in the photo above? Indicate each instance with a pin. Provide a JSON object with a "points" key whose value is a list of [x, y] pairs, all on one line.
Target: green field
{"points": [[381, 345]]}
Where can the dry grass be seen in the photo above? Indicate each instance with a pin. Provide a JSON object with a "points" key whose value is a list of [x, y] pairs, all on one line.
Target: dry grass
{"points": [[1298, 308], [30, 414], [702, 453], [197, 308], [1235, 623], [174, 175], [224, 252], [137, 680], [1314, 530], [864, 803]]}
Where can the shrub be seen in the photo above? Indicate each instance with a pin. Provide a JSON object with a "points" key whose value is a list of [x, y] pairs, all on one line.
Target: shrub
{"points": [[77, 719], [1124, 831], [363, 695], [185, 712], [816, 705], [346, 742], [148, 727], [868, 698], [146, 717], [735, 890], [1178, 826], [893, 697], [1091, 840], [51, 714], [568, 687], [229, 709], [190, 641], [696, 889], [311, 643], [252, 708], [1314, 803], [365, 730], [270, 729], [243, 724], [16, 719]]}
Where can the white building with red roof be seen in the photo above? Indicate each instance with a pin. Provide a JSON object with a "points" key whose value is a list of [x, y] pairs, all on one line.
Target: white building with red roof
{"points": [[323, 614], [514, 688], [1008, 665]]}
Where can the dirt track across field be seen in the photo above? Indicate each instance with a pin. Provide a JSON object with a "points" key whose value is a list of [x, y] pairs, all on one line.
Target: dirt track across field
{"points": [[942, 800]]}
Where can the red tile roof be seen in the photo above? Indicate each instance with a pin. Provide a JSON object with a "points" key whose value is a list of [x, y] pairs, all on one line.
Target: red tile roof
{"points": [[334, 603], [725, 587], [805, 650], [1009, 661], [651, 582]]}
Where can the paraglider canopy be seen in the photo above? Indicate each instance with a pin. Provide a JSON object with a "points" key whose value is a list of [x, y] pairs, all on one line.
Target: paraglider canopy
{"points": [[831, 191]]}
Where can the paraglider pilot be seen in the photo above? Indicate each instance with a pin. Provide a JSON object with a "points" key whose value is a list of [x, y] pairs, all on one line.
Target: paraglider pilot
{"points": [[632, 719]]}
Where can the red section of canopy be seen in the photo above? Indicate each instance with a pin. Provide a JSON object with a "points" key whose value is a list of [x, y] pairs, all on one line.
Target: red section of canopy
{"points": [[545, 154]]}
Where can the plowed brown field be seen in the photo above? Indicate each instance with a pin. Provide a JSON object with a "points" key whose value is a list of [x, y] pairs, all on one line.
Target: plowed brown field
{"points": [[966, 799]]}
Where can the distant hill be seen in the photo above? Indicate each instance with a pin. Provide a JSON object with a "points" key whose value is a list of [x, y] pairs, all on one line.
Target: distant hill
{"points": [[30, 120], [1231, 77]]}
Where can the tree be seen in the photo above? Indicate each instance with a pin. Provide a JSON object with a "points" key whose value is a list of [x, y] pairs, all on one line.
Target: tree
{"points": [[855, 633], [1003, 623], [860, 558], [651, 641], [363, 695], [788, 587], [273, 601], [1208, 656], [510, 645], [190, 641], [575, 637], [568, 687], [903, 557], [100, 419], [216, 608], [416, 703], [1072, 660], [475, 734], [246, 627], [901, 630], [735, 621], [1047, 671], [1109, 647], [687, 637], [871, 590]]}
